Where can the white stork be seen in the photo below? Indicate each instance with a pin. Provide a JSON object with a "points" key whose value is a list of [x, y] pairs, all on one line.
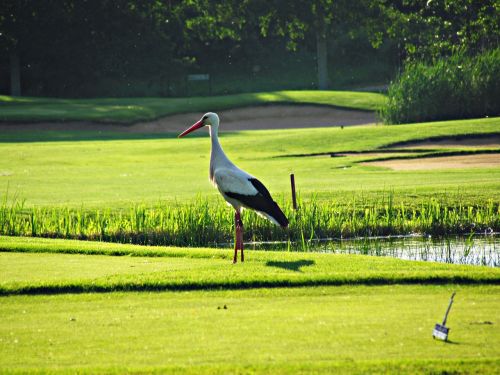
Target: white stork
{"points": [[239, 189]]}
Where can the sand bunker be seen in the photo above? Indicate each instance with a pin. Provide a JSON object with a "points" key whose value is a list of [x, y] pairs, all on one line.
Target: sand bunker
{"points": [[461, 161], [249, 118]]}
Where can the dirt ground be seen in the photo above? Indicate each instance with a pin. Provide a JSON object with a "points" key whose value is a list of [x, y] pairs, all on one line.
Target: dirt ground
{"points": [[249, 118], [462, 161]]}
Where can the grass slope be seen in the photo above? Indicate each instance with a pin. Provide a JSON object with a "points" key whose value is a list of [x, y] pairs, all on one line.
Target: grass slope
{"points": [[60, 267], [116, 172], [355, 330], [130, 110]]}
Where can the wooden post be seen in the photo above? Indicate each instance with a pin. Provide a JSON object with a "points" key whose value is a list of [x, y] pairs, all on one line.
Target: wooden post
{"points": [[294, 198]]}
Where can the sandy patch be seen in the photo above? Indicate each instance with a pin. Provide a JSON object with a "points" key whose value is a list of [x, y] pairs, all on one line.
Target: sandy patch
{"points": [[492, 141], [461, 161], [249, 118]]}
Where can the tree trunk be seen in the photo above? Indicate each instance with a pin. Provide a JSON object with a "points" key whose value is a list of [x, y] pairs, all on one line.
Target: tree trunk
{"points": [[322, 57], [15, 74]]}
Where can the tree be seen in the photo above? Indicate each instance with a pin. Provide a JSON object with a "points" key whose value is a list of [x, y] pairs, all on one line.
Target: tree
{"points": [[320, 20], [436, 28]]}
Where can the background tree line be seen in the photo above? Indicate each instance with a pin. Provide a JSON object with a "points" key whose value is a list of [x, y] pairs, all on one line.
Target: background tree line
{"points": [[77, 48]]}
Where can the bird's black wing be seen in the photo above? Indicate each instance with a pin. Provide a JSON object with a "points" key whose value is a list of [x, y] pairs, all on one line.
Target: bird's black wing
{"points": [[262, 201]]}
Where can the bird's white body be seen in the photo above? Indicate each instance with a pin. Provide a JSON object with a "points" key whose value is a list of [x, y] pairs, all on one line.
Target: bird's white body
{"points": [[239, 188], [228, 177]]}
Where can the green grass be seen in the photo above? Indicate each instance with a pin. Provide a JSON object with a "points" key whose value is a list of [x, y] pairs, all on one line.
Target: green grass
{"points": [[130, 110], [204, 223], [241, 318], [65, 266], [143, 190], [119, 173], [350, 329]]}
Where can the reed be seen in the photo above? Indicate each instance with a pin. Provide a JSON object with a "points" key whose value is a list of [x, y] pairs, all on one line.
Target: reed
{"points": [[205, 223], [455, 88]]}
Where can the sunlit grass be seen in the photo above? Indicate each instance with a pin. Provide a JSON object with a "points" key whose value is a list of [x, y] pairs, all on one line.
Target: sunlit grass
{"points": [[87, 170], [377, 329], [73, 266]]}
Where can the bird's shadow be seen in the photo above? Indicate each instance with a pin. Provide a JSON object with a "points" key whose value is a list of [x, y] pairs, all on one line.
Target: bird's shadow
{"points": [[292, 266]]}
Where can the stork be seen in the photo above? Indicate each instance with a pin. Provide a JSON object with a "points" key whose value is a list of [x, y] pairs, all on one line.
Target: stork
{"points": [[239, 188]]}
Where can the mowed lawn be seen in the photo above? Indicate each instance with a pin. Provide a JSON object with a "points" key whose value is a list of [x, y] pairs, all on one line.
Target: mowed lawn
{"points": [[37, 265], [348, 329], [217, 319], [107, 171], [130, 110]]}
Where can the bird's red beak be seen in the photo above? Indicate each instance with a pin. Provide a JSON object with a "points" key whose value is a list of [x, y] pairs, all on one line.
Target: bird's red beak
{"points": [[192, 128]]}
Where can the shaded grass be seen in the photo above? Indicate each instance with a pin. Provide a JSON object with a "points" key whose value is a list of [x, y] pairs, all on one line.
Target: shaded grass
{"points": [[130, 110], [156, 269], [304, 330], [450, 138], [435, 154]]}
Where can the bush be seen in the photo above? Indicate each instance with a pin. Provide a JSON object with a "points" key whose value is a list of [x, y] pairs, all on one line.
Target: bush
{"points": [[454, 88]]}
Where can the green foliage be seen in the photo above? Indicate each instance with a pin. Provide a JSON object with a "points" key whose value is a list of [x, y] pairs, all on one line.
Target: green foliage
{"points": [[457, 87], [148, 47], [429, 30]]}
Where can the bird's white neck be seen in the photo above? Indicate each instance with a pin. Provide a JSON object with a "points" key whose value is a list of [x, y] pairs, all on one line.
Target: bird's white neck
{"points": [[217, 156]]}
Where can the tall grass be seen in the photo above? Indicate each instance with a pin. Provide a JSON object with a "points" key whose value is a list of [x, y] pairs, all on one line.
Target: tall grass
{"points": [[454, 88], [204, 223]]}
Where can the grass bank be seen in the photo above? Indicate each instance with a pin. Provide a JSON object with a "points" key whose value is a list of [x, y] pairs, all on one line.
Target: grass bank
{"points": [[39, 266], [130, 110], [349, 329]]}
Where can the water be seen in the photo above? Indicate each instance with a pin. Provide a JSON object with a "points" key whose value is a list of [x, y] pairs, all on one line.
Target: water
{"points": [[475, 249]]}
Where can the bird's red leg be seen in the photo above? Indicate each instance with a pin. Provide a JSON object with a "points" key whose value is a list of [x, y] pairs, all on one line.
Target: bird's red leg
{"points": [[238, 244], [236, 237], [241, 239]]}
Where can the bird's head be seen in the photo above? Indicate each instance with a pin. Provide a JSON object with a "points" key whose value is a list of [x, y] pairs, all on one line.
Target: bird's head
{"points": [[208, 119]]}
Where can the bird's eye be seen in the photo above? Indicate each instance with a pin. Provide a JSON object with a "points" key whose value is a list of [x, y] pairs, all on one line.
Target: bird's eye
{"points": [[204, 117]]}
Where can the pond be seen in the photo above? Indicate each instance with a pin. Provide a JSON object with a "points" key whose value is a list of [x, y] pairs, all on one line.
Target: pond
{"points": [[474, 249]]}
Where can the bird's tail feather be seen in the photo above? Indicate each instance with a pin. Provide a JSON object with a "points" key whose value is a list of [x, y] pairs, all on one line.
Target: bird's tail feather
{"points": [[277, 216]]}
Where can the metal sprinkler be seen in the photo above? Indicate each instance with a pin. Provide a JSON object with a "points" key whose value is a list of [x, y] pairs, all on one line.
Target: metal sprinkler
{"points": [[440, 330]]}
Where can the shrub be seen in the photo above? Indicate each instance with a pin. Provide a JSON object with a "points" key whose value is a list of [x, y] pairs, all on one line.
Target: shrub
{"points": [[458, 87]]}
